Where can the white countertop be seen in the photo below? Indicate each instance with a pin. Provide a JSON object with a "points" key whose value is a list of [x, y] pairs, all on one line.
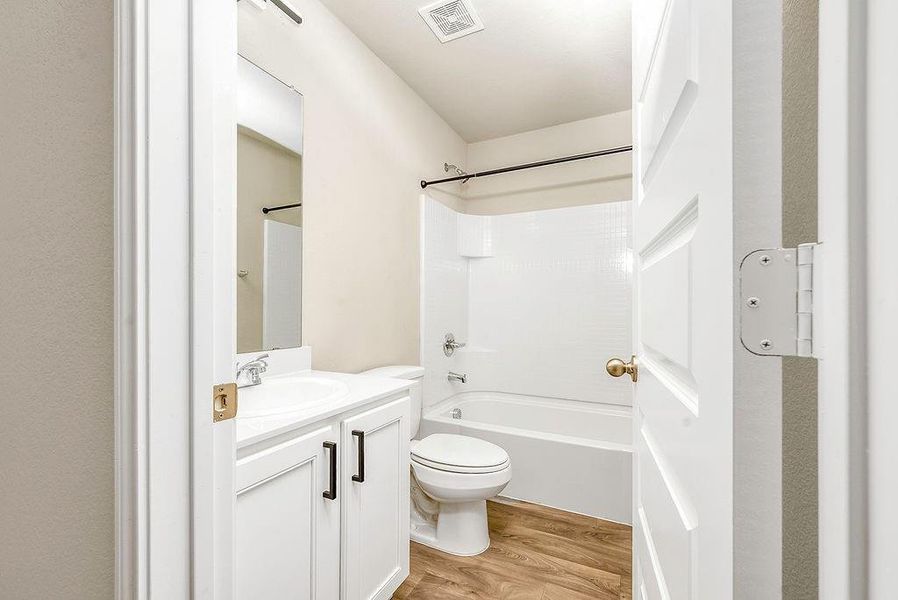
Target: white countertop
{"points": [[363, 389]]}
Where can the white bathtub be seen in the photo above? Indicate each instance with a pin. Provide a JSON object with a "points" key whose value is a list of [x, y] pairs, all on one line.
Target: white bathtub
{"points": [[564, 454]]}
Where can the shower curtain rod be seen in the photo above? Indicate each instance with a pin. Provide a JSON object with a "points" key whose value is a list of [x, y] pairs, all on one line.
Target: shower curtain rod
{"points": [[268, 209], [542, 163]]}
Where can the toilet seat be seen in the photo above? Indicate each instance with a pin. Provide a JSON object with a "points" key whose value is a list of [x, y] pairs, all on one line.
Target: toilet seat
{"points": [[459, 454]]}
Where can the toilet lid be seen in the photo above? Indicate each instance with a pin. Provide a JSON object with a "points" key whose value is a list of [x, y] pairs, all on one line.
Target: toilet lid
{"points": [[459, 454]]}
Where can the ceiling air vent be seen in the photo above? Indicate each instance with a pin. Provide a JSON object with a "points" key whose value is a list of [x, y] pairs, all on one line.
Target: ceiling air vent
{"points": [[451, 20]]}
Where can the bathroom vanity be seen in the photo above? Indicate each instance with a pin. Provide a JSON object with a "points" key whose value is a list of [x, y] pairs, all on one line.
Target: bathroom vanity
{"points": [[322, 459], [322, 499]]}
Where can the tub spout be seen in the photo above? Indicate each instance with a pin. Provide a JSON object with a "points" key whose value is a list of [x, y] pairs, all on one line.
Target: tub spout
{"points": [[461, 378]]}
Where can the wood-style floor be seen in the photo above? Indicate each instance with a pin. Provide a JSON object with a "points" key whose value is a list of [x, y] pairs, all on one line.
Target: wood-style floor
{"points": [[536, 553]]}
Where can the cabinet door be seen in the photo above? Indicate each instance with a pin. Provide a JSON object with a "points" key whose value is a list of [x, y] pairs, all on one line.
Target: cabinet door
{"points": [[288, 531], [376, 501]]}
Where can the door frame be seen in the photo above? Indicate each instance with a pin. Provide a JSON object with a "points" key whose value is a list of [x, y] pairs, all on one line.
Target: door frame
{"points": [[882, 298], [858, 485], [163, 459], [839, 341], [174, 162]]}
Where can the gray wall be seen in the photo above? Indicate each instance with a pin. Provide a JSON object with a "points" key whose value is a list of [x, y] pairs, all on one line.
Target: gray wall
{"points": [[799, 226], [56, 244]]}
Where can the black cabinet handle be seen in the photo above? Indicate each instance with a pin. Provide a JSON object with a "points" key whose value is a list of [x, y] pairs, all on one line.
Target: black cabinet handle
{"points": [[361, 476], [331, 493]]}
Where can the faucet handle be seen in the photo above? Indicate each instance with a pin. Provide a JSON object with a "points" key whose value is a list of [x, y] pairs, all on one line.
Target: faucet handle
{"points": [[253, 369], [256, 359], [450, 345]]}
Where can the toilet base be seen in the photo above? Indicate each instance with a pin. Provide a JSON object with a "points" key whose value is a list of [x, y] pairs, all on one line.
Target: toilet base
{"points": [[461, 529]]}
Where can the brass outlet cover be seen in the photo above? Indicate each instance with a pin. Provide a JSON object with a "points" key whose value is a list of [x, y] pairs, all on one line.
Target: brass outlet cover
{"points": [[224, 402]]}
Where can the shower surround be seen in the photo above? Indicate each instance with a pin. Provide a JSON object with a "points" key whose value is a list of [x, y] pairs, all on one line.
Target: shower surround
{"points": [[542, 299]]}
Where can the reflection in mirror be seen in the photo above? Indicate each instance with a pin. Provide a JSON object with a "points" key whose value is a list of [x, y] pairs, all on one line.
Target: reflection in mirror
{"points": [[269, 212]]}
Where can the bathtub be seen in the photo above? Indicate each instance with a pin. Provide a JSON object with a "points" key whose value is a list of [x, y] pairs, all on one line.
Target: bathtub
{"points": [[564, 454]]}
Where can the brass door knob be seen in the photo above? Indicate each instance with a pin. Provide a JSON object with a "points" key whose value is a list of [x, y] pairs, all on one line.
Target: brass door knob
{"points": [[616, 367]]}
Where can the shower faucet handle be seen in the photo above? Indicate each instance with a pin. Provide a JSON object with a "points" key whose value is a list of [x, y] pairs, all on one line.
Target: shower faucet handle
{"points": [[450, 345]]}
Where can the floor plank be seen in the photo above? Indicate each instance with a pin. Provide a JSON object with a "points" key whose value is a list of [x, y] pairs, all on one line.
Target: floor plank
{"points": [[405, 590], [536, 553], [555, 592]]}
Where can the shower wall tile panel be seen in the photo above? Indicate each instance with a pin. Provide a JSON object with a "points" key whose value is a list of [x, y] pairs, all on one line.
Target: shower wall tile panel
{"points": [[444, 291], [554, 304], [541, 315], [475, 239]]}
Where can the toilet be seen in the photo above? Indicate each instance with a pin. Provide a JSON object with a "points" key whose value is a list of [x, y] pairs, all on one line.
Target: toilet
{"points": [[452, 478]]}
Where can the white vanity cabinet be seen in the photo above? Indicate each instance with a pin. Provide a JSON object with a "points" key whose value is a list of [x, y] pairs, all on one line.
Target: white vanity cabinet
{"points": [[323, 511], [288, 532], [376, 502]]}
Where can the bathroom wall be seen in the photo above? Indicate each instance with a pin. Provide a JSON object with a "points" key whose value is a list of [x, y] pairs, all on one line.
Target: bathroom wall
{"points": [[604, 179], [56, 300], [369, 139], [799, 391], [542, 299]]}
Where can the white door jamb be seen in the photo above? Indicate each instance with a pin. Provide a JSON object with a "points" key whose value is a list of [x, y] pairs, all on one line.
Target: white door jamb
{"points": [[173, 168]]}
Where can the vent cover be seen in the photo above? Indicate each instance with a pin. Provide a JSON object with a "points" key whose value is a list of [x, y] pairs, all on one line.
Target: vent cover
{"points": [[451, 20]]}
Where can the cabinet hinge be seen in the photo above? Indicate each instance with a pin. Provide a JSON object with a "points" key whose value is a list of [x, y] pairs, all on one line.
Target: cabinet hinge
{"points": [[777, 301]]}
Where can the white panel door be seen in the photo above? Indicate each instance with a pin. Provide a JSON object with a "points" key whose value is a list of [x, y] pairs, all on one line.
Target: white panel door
{"points": [[376, 501], [683, 247], [288, 520]]}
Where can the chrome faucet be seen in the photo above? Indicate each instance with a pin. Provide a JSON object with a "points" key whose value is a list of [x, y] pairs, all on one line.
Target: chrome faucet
{"points": [[250, 372], [461, 378], [450, 345]]}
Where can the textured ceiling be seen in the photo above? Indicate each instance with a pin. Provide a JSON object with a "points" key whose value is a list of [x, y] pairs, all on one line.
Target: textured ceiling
{"points": [[537, 62]]}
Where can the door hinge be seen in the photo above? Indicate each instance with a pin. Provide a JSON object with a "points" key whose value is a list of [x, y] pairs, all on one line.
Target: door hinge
{"points": [[224, 402], [777, 300]]}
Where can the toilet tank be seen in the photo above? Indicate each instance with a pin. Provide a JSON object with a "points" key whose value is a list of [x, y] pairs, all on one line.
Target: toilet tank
{"points": [[411, 373]]}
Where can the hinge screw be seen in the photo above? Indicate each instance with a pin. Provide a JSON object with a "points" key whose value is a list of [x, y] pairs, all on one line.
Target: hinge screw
{"points": [[765, 260], [766, 344], [753, 302]]}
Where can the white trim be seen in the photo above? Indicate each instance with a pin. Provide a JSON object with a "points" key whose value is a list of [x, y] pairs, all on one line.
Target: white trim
{"points": [[213, 291], [129, 302], [882, 215], [840, 320], [202, 161], [173, 243]]}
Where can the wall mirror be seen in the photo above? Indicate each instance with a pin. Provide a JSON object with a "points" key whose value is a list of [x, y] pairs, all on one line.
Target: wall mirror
{"points": [[269, 211]]}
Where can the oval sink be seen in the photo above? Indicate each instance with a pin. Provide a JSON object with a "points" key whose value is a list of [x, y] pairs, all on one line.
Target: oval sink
{"points": [[277, 396]]}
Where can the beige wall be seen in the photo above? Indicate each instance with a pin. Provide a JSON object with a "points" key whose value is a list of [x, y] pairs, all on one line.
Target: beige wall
{"points": [[604, 179], [368, 140], [267, 175], [800, 28], [56, 291]]}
